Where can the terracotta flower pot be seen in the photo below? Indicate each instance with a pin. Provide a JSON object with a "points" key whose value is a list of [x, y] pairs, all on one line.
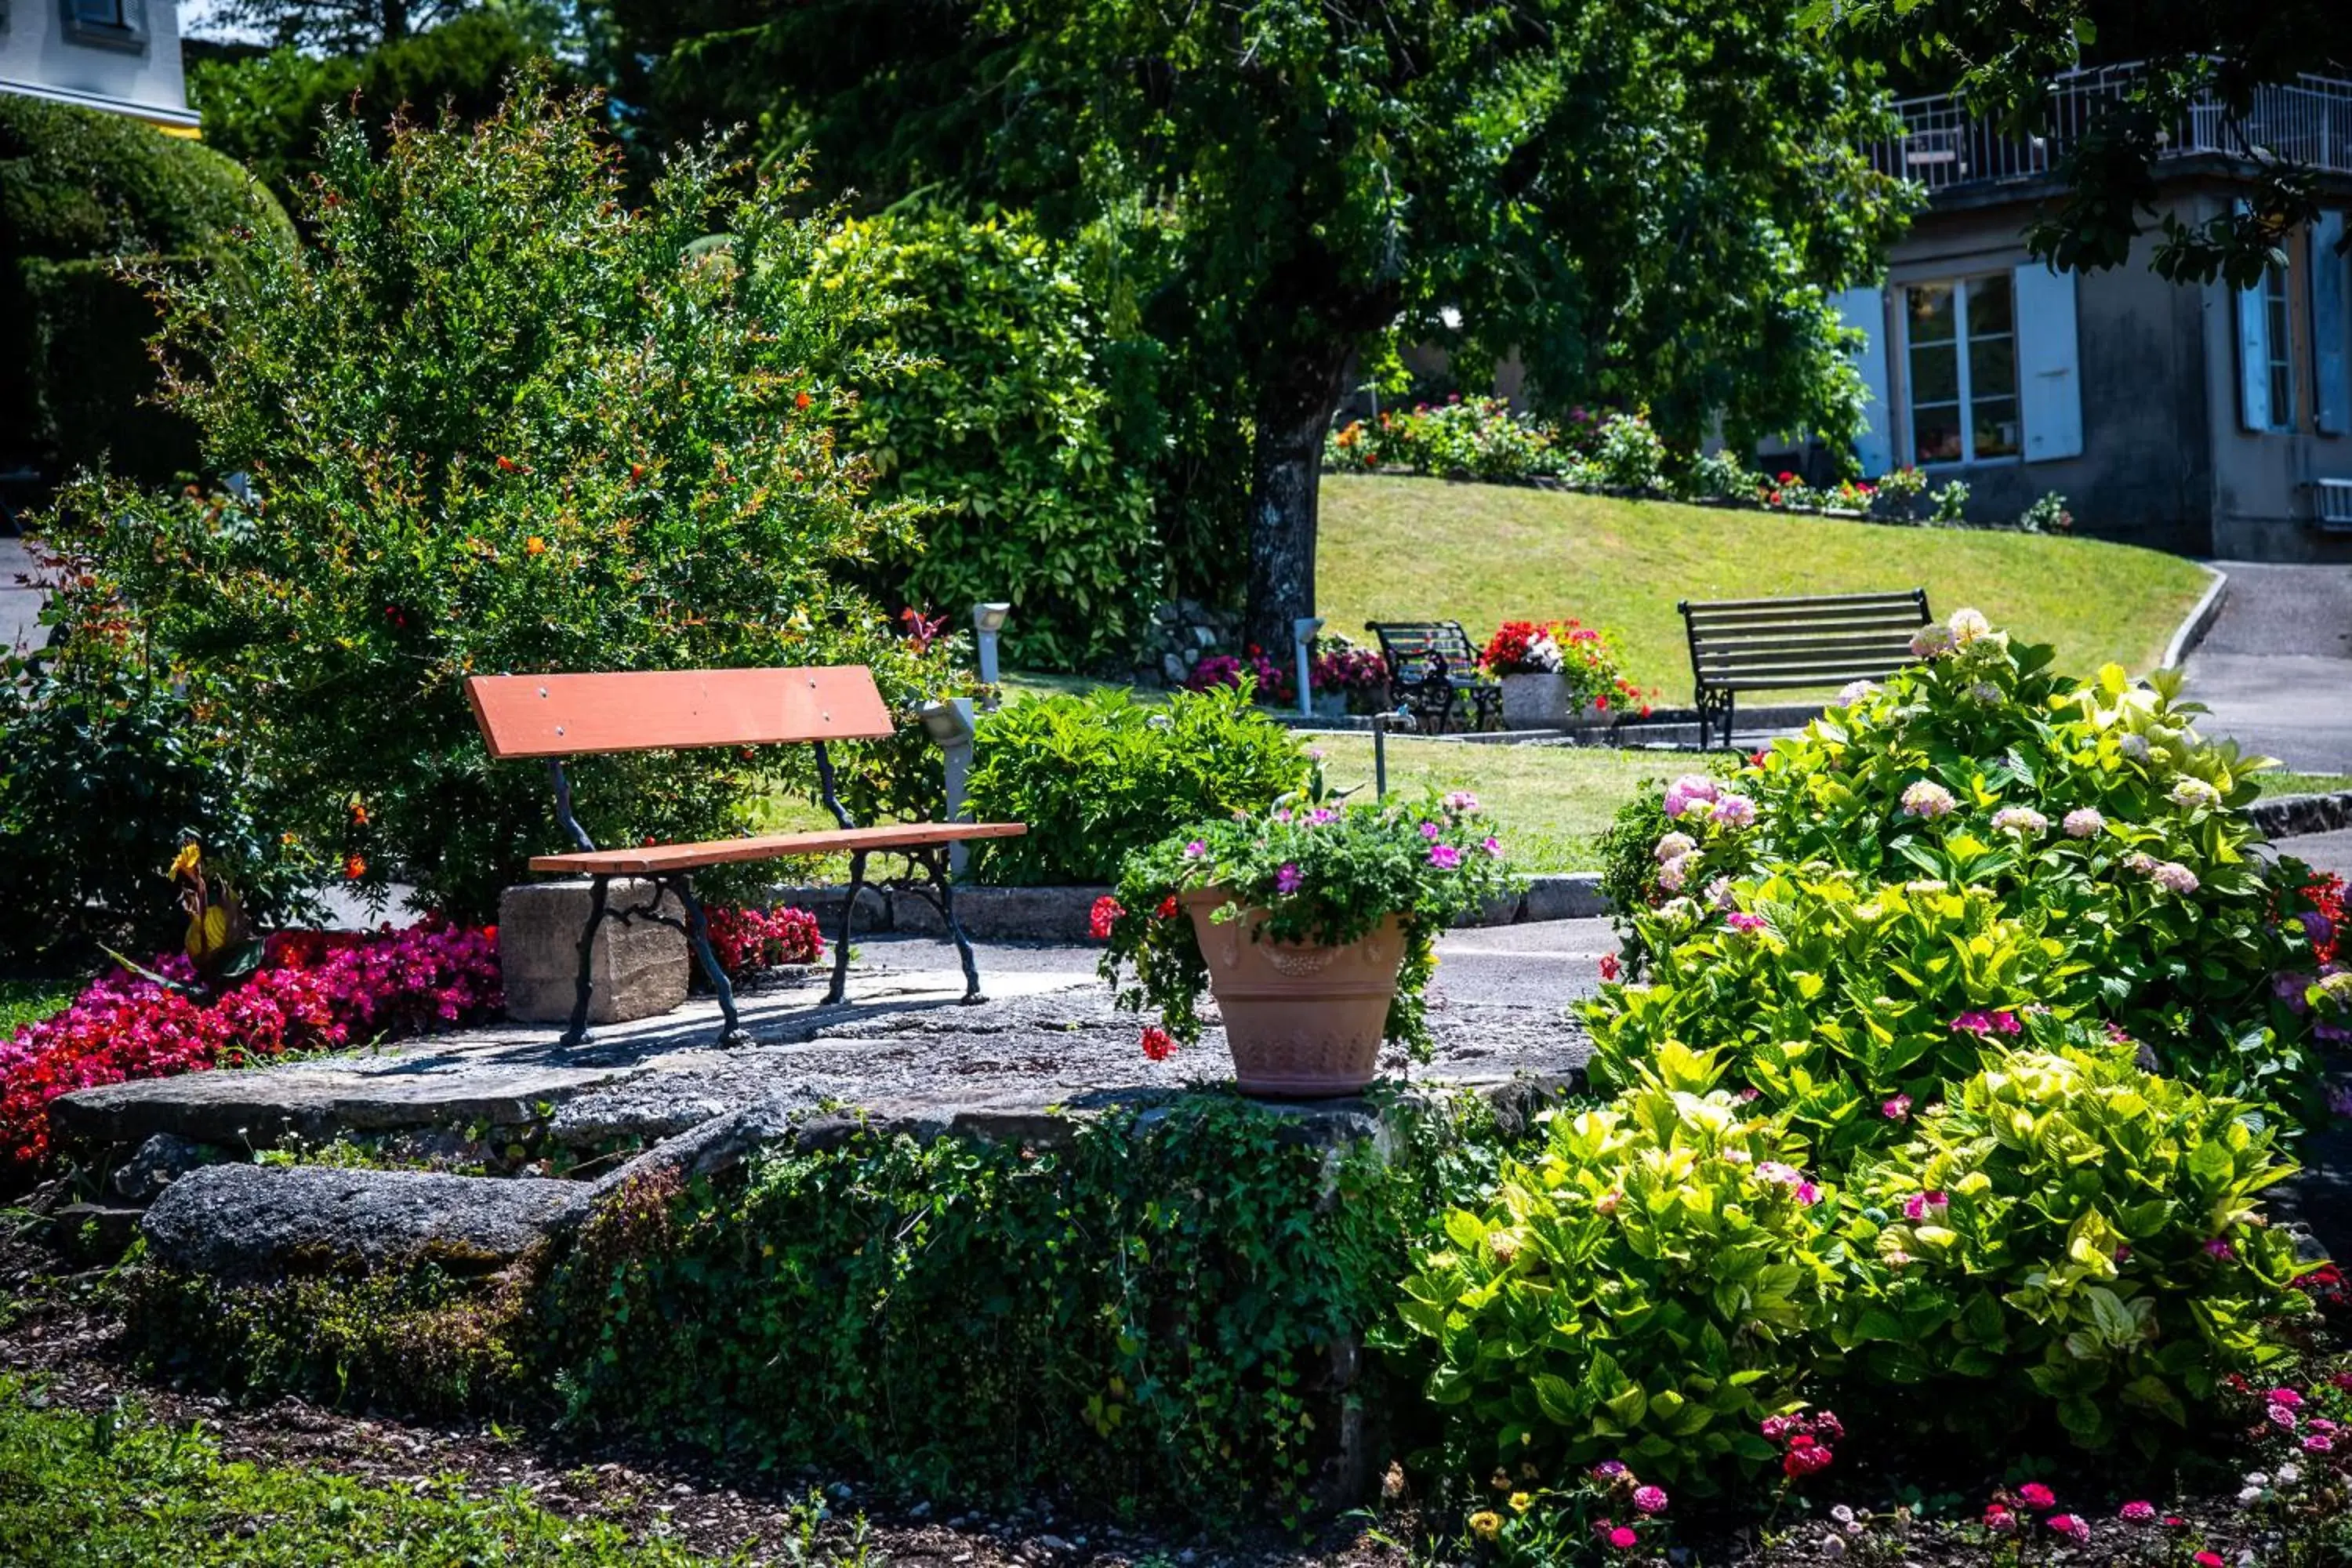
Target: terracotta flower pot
{"points": [[1303, 1022]]}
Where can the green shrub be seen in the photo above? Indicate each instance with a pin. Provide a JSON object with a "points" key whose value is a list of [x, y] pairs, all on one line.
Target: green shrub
{"points": [[1028, 454], [2067, 1222], [1832, 996], [79, 190], [270, 111], [1474, 437], [1629, 455], [497, 420], [1100, 775], [1646, 1288], [105, 770]]}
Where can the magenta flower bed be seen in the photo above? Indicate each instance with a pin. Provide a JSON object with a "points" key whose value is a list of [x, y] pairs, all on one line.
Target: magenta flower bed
{"points": [[315, 991]]}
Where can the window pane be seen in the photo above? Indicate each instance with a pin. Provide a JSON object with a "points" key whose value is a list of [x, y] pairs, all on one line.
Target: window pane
{"points": [[1989, 306], [1935, 434], [1935, 373], [2282, 395], [1992, 366], [1930, 306], [1994, 423]]}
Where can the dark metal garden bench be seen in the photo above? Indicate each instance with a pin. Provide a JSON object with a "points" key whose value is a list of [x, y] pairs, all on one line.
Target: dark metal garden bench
{"points": [[560, 716], [1766, 644], [1433, 671]]}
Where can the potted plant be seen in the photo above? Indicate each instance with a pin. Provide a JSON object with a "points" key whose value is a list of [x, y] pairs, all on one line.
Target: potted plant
{"points": [[1555, 672], [1314, 925]]}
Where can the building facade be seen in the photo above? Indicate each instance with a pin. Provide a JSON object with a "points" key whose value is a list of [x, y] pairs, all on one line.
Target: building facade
{"points": [[120, 56], [2196, 417]]}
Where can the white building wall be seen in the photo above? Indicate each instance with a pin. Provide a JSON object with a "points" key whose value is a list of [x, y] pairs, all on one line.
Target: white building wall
{"points": [[141, 76]]}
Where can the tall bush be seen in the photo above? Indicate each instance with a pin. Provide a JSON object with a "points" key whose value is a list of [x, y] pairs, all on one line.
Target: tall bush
{"points": [[495, 420], [1012, 431]]}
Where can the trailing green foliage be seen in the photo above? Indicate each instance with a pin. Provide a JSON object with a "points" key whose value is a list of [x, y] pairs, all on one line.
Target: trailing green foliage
{"points": [[497, 420], [117, 1488], [1015, 429], [1646, 1286], [1100, 775], [2067, 1216], [1159, 1313]]}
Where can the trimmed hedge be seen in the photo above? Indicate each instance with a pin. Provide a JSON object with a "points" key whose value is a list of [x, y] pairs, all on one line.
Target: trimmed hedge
{"points": [[79, 188]]}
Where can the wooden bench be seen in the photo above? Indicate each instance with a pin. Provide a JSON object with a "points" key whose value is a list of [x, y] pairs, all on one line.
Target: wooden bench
{"points": [[559, 716], [1433, 669], [1765, 645]]}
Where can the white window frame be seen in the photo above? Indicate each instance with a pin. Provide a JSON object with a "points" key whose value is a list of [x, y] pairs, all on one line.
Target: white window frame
{"points": [[1959, 284]]}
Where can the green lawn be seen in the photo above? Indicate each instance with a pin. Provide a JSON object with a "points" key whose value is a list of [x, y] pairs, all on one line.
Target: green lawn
{"points": [[1548, 801], [1415, 548]]}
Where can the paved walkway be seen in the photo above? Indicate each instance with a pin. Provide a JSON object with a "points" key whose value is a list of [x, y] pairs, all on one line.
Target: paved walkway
{"points": [[20, 607], [2277, 669]]}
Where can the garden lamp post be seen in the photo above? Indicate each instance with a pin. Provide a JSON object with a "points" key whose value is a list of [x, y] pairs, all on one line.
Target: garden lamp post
{"points": [[1383, 723], [987, 623], [1302, 633], [949, 725]]}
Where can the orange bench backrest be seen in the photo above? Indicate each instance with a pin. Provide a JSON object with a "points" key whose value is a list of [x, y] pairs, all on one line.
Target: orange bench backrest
{"points": [[576, 715]]}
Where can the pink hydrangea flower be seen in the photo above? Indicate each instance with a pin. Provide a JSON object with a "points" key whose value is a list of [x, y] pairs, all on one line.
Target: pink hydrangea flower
{"points": [[1745, 924], [2021, 822], [1461, 800], [1735, 811], [1650, 1500], [2083, 822], [1929, 800], [1688, 790], [1925, 1205]]}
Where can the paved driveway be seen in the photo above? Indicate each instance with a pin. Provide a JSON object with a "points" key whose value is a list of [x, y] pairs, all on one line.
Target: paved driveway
{"points": [[2277, 669], [20, 607]]}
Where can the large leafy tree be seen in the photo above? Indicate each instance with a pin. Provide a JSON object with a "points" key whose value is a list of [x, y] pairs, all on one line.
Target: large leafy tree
{"points": [[2000, 55], [1648, 201]]}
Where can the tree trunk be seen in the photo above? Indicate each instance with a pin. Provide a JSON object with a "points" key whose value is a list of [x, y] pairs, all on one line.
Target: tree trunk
{"points": [[1293, 413]]}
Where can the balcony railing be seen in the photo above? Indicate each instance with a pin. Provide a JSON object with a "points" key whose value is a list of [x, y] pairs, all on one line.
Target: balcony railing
{"points": [[1942, 145]]}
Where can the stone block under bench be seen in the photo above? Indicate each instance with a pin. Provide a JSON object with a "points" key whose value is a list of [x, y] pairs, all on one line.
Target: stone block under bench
{"points": [[638, 968]]}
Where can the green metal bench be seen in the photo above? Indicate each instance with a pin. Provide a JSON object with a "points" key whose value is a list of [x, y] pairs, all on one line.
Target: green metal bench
{"points": [[1786, 645]]}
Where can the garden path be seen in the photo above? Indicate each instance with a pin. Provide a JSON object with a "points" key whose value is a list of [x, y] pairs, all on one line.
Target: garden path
{"points": [[20, 607], [900, 1047], [2277, 668]]}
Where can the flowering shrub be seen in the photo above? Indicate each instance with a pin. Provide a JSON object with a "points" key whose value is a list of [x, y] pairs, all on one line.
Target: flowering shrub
{"points": [[314, 991], [1320, 874], [1254, 672], [745, 940], [1652, 1286], [2066, 1216], [1477, 437], [1360, 674]]}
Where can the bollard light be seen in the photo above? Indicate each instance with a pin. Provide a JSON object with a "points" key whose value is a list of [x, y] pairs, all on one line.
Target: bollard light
{"points": [[987, 624], [1302, 634], [949, 727]]}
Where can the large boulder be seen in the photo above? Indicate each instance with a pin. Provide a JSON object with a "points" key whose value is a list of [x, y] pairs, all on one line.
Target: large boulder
{"points": [[246, 1222]]}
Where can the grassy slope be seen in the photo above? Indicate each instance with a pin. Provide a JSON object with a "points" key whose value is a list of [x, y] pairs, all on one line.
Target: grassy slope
{"points": [[1414, 548]]}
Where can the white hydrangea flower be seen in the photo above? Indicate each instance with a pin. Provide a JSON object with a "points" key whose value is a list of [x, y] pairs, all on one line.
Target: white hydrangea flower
{"points": [[1967, 626], [1674, 847]]}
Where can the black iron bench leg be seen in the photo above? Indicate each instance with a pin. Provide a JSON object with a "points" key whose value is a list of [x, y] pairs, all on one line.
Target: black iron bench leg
{"points": [[698, 927], [840, 987], [955, 929], [579, 1029]]}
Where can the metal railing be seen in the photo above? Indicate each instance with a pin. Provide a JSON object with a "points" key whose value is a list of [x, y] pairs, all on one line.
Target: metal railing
{"points": [[1943, 145]]}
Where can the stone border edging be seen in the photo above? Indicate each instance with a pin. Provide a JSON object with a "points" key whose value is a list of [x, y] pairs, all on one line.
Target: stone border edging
{"points": [[2292, 815], [1060, 914], [2198, 621]]}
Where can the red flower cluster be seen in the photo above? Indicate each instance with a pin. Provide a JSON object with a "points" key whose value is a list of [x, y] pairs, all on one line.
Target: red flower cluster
{"points": [[314, 991], [1802, 1440], [2325, 894], [1275, 683], [1103, 917], [743, 939], [1159, 1044]]}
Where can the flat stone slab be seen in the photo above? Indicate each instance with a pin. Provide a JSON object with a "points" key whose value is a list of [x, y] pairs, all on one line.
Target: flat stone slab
{"points": [[902, 1046], [239, 1222]]}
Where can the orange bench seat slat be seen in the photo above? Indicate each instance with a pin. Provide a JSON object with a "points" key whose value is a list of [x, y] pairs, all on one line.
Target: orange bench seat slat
{"points": [[653, 859], [645, 710]]}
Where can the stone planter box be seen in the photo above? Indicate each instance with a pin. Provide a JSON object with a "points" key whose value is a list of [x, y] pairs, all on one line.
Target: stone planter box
{"points": [[1537, 702]]}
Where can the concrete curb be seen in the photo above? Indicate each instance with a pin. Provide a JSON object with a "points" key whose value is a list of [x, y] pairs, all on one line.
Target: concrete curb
{"points": [[1060, 915], [2291, 816], [2191, 631]]}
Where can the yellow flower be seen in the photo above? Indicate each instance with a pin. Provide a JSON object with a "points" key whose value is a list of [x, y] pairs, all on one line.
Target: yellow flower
{"points": [[1521, 1503], [1486, 1523]]}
